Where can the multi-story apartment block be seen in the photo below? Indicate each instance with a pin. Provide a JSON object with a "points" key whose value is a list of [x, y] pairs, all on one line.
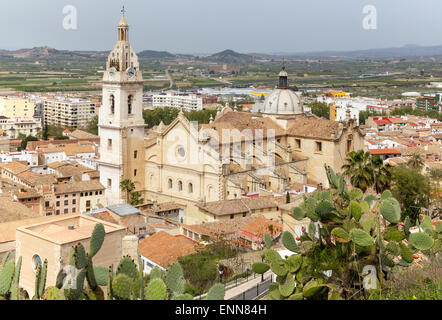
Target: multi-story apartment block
{"points": [[16, 107], [187, 101], [72, 113]]}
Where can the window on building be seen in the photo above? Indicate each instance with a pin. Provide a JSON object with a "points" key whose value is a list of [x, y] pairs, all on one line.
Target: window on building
{"points": [[180, 186], [66, 202], [135, 154], [109, 183], [112, 103], [58, 203], [244, 214], [232, 216], [318, 146], [74, 201], [170, 184], [109, 143], [57, 212], [66, 195], [47, 204], [129, 104], [66, 211], [88, 204], [298, 143], [190, 188], [58, 197], [349, 145], [73, 210], [135, 172]]}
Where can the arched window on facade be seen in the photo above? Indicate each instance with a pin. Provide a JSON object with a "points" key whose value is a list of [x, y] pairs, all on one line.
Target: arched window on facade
{"points": [[170, 184], [190, 187], [180, 186], [129, 104], [112, 103]]}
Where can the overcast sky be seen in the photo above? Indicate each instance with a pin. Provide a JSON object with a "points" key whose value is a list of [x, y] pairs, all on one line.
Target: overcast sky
{"points": [[208, 26]]}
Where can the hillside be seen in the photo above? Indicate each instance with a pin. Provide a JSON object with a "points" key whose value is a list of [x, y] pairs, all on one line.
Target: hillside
{"points": [[231, 57]]}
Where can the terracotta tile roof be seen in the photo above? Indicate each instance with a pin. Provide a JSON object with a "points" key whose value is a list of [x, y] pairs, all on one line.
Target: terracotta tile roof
{"points": [[105, 216], [167, 206], [164, 249], [79, 186], [260, 226], [15, 167], [11, 210], [314, 128], [242, 121], [234, 206], [135, 222], [80, 134], [385, 151], [36, 179], [221, 228]]}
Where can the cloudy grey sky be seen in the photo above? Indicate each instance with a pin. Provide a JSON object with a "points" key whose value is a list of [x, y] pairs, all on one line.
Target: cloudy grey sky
{"points": [[208, 26]]}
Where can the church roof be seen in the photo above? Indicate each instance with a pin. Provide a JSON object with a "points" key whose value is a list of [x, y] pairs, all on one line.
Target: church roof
{"points": [[314, 128]]}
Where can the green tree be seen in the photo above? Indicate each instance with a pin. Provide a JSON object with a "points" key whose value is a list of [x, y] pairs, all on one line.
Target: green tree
{"points": [[358, 168], [93, 126], [127, 186], [321, 109], [367, 171], [135, 198], [411, 189], [24, 142], [416, 161]]}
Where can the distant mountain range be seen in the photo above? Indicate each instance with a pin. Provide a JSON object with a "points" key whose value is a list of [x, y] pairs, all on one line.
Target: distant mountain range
{"points": [[405, 51], [226, 56]]}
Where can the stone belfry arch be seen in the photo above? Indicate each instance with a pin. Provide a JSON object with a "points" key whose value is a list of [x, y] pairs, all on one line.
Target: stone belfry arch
{"points": [[121, 124]]}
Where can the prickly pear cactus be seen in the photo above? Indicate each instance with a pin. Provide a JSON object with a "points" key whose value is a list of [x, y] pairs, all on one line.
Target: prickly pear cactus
{"points": [[349, 235]]}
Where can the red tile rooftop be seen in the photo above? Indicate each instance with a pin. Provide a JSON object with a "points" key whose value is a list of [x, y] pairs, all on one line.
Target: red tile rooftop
{"points": [[384, 151]]}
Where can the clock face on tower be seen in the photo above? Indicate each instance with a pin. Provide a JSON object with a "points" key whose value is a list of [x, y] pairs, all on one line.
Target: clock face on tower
{"points": [[131, 72], [112, 72]]}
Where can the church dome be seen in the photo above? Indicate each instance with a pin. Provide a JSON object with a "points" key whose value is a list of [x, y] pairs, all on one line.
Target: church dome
{"points": [[283, 100]]}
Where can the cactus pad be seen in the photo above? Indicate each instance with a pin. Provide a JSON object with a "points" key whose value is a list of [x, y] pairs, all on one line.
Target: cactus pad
{"points": [[390, 210], [174, 278], [287, 288], [340, 234], [6, 276], [421, 240], [156, 290], [260, 267], [97, 239], [355, 194], [289, 242], [80, 259], [121, 286], [128, 267], [216, 292], [298, 213], [361, 238], [267, 240]]}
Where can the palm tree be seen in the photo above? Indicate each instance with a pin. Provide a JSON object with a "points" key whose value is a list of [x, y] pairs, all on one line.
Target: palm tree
{"points": [[127, 186], [382, 175], [416, 161], [359, 168]]}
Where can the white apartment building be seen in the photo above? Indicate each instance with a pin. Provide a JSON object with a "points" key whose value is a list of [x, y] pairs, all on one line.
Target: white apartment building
{"points": [[188, 101], [14, 127], [66, 112]]}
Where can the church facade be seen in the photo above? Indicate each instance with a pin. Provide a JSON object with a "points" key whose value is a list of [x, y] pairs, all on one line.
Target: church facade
{"points": [[278, 149]]}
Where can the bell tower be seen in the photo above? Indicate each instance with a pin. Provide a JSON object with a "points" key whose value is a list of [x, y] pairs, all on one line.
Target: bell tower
{"points": [[121, 123]]}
